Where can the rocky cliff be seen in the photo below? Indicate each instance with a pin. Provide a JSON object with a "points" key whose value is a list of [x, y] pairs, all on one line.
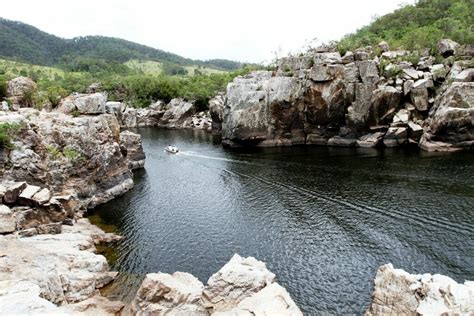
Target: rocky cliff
{"points": [[360, 99]]}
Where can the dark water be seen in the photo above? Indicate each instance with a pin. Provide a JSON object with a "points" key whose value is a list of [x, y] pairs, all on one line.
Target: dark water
{"points": [[323, 219]]}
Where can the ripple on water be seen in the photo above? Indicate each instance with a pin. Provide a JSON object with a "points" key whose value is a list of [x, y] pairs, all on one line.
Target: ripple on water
{"points": [[323, 219]]}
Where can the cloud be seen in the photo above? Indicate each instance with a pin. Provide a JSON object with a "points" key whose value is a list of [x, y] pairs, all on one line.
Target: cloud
{"points": [[245, 30]]}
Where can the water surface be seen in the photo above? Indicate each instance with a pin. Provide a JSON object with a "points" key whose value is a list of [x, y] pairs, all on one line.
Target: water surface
{"points": [[323, 219]]}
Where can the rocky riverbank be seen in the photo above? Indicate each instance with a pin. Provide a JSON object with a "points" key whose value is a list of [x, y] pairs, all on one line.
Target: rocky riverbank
{"points": [[61, 162], [369, 98]]}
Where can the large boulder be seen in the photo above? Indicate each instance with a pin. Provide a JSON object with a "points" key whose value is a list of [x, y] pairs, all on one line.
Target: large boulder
{"points": [[271, 300], [451, 121], [175, 294], [177, 113], [237, 280], [20, 91], [447, 47], [400, 293], [84, 104]]}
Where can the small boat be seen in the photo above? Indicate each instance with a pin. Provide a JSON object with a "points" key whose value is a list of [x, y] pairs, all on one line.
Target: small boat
{"points": [[172, 149]]}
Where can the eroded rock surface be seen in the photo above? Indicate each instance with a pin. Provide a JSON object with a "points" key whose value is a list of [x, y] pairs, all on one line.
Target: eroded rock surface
{"points": [[41, 272], [322, 98], [400, 293]]}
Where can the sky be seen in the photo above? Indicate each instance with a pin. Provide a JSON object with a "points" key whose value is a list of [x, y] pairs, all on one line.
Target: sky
{"points": [[242, 30]]}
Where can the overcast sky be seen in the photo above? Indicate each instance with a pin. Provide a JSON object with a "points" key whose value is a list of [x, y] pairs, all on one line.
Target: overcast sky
{"points": [[244, 30]]}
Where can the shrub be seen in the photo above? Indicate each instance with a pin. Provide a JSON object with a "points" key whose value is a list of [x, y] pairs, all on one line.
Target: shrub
{"points": [[7, 132], [72, 155], [55, 94]]}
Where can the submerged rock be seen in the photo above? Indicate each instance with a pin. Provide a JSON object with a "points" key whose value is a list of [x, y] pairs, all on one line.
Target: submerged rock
{"points": [[400, 293]]}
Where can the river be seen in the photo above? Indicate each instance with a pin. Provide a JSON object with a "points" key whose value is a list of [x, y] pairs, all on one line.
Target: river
{"points": [[323, 219]]}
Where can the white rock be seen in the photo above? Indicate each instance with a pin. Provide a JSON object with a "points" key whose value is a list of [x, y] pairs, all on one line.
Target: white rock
{"points": [[166, 294], [237, 280], [400, 293], [7, 220]]}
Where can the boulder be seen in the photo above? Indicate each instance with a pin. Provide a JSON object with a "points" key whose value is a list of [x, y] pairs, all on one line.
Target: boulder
{"points": [[358, 112], [385, 101], [371, 140], [323, 72], [178, 111], [401, 118], [13, 192], [42, 197], [410, 73], [467, 75], [131, 147], [447, 47], [19, 91], [348, 58], [400, 293], [451, 121], [419, 98], [84, 104], [26, 196], [7, 220], [271, 300], [415, 131], [163, 294], [237, 280], [395, 136], [369, 72], [327, 58]]}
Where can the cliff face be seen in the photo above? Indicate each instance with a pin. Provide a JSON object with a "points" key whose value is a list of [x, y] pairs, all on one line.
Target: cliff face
{"points": [[324, 98], [70, 155]]}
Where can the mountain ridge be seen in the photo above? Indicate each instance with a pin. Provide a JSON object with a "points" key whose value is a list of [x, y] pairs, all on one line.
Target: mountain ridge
{"points": [[27, 43]]}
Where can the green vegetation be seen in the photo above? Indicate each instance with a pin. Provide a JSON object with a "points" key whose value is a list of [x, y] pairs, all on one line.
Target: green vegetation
{"points": [[28, 44], [69, 153], [418, 26], [7, 132], [122, 82]]}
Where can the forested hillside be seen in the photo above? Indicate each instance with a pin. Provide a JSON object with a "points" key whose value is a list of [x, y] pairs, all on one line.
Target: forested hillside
{"points": [[29, 44], [418, 26]]}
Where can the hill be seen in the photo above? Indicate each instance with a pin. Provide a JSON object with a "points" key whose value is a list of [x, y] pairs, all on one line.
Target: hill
{"points": [[28, 44], [417, 26]]}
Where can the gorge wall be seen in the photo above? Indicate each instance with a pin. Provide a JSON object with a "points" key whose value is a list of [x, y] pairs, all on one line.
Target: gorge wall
{"points": [[360, 99]]}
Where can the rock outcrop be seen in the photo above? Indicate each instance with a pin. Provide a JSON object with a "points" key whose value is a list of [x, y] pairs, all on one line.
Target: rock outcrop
{"points": [[451, 123], [20, 92], [400, 293], [243, 286], [54, 274], [84, 104], [132, 150], [78, 156], [322, 98], [216, 110]]}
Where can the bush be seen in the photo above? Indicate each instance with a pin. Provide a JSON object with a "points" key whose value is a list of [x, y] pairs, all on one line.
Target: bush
{"points": [[7, 132], [55, 94]]}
